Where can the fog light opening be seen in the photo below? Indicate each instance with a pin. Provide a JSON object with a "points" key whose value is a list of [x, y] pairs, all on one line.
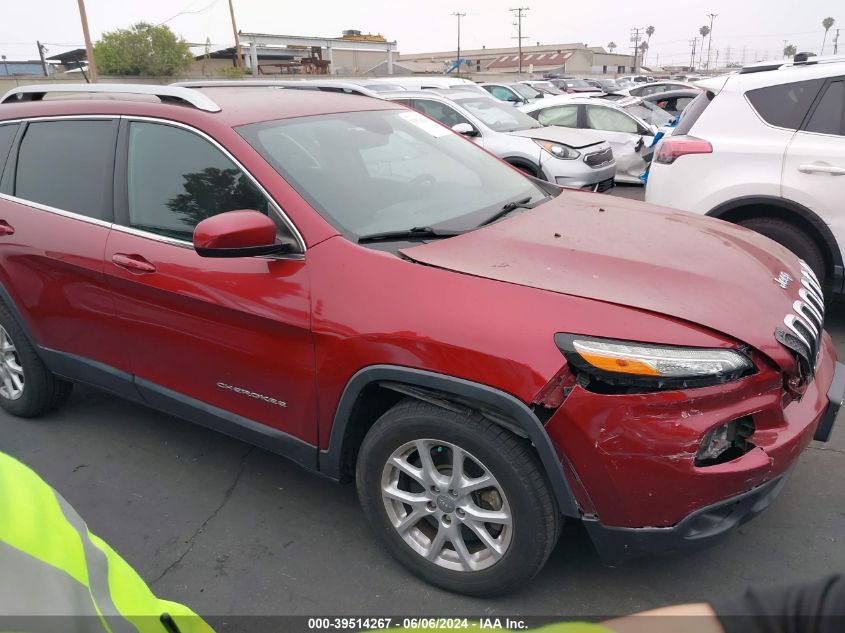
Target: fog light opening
{"points": [[726, 442]]}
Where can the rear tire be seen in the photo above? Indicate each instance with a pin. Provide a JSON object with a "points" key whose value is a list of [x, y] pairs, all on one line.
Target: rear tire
{"points": [[794, 238], [491, 557], [27, 388]]}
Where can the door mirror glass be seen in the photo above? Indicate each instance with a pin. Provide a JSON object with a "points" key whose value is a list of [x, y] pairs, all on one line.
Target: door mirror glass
{"points": [[237, 234], [465, 128]]}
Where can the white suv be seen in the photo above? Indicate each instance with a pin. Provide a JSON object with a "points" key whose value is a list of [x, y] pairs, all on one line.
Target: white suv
{"points": [[765, 148]]}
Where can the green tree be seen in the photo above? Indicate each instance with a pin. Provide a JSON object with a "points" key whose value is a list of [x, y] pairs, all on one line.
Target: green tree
{"points": [[789, 50], [142, 49], [611, 46], [826, 23]]}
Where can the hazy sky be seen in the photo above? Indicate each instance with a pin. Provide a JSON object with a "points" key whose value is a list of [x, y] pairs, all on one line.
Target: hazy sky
{"points": [[758, 26]]}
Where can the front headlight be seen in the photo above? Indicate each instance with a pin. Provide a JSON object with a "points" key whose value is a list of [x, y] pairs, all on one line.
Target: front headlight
{"points": [[558, 151], [652, 366]]}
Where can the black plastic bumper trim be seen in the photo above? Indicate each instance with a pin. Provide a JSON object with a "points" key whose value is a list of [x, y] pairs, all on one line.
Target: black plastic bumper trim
{"points": [[696, 530], [835, 395]]}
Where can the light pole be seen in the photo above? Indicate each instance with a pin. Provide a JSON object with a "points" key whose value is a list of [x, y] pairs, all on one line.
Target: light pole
{"points": [[459, 15], [712, 17], [5, 67]]}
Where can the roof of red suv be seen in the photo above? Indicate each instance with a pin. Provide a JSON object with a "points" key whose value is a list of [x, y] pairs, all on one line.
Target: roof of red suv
{"points": [[239, 106]]}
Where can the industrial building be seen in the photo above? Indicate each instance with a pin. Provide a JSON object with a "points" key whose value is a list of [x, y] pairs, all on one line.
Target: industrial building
{"points": [[574, 58]]}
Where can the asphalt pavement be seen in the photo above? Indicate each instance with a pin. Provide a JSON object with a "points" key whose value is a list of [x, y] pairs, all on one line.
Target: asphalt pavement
{"points": [[233, 530]]}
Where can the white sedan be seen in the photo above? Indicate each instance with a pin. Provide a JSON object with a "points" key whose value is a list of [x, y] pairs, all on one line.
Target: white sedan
{"points": [[629, 125]]}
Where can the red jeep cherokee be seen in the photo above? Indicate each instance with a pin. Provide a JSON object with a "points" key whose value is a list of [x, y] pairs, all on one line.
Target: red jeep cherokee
{"points": [[349, 284]]}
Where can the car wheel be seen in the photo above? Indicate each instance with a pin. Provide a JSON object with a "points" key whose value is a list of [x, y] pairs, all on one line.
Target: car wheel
{"points": [[27, 388], [796, 240], [458, 500]]}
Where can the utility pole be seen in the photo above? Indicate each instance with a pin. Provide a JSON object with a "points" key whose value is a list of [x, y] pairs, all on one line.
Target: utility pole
{"points": [[89, 49], [692, 43], [459, 15], [712, 17], [635, 39], [518, 24], [41, 55], [239, 60]]}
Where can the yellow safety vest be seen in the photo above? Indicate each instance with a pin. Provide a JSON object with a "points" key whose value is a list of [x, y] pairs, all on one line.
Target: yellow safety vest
{"points": [[55, 576]]}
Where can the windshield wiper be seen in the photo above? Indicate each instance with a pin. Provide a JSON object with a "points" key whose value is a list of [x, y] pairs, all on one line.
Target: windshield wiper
{"points": [[417, 232], [511, 206]]}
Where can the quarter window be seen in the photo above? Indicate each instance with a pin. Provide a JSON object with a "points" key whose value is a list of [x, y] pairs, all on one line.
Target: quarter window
{"points": [[565, 116], [68, 165], [176, 179], [829, 115], [7, 137], [785, 105]]}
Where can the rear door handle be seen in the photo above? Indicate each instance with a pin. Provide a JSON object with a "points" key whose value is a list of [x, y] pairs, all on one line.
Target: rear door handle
{"points": [[6, 228], [822, 168], [133, 263]]}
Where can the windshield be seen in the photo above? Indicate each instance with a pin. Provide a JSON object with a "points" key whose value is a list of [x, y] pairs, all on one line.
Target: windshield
{"points": [[526, 91], [387, 170], [546, 86], [498, 116], [650, 113], [577, 83]]}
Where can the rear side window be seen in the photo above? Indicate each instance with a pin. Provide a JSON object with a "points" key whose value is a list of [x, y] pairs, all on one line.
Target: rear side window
{"points": [[68, 165], [693, 112], [829, 115], [7, 137], [176, 179], [785, 105]]}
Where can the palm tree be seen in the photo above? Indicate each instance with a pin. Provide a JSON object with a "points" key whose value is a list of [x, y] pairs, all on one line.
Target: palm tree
{"points": [[704, 31], [643, 51], [649, 32], [789, 50], [826, 23], [611, 46]]}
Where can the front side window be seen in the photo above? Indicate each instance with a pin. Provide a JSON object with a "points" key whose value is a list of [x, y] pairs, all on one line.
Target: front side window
{"points": [[68, 165], [439, 111], [829, 115], [564, 116], [610, 120], [389, 170], [176, 179], [503, 94], [785, 105]]}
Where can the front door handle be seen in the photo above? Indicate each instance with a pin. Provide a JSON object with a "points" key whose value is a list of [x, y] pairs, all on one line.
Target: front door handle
{"points": [[6, 228], [822, 168], [133, 263]]}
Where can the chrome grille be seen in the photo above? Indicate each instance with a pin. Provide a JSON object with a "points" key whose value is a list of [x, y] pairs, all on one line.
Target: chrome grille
{"points": [[599, 159], [806, 321]]}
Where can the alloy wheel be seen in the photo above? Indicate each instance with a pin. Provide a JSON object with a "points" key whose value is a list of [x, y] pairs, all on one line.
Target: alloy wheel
{"points": [[11, 372], [446, 505]]}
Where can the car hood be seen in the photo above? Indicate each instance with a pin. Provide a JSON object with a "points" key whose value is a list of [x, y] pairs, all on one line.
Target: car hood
{"points": [[563, 135], [686, 266]]}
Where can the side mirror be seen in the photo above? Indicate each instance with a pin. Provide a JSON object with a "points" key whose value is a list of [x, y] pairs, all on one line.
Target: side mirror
{"points": [[465, 128], [540, 96], [237, 234], [514, 99]]}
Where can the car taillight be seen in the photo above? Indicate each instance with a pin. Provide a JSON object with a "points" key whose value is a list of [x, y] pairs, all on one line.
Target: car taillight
{"points": [[673, 147]]}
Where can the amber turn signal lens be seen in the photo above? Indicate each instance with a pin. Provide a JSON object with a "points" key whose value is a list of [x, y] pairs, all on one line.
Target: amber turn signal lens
{"points": [[621, 365]]}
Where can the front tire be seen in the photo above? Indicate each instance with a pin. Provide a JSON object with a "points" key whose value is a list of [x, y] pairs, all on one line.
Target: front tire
{"points": [[457, 499], [794, 238], [27, 388]]}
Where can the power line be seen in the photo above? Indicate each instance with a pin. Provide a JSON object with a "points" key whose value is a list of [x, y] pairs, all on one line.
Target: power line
{"points": [[186, 12]]}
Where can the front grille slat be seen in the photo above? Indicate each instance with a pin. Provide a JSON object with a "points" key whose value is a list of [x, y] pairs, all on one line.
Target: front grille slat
{"points": [[806, 321], [598, 159]]}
